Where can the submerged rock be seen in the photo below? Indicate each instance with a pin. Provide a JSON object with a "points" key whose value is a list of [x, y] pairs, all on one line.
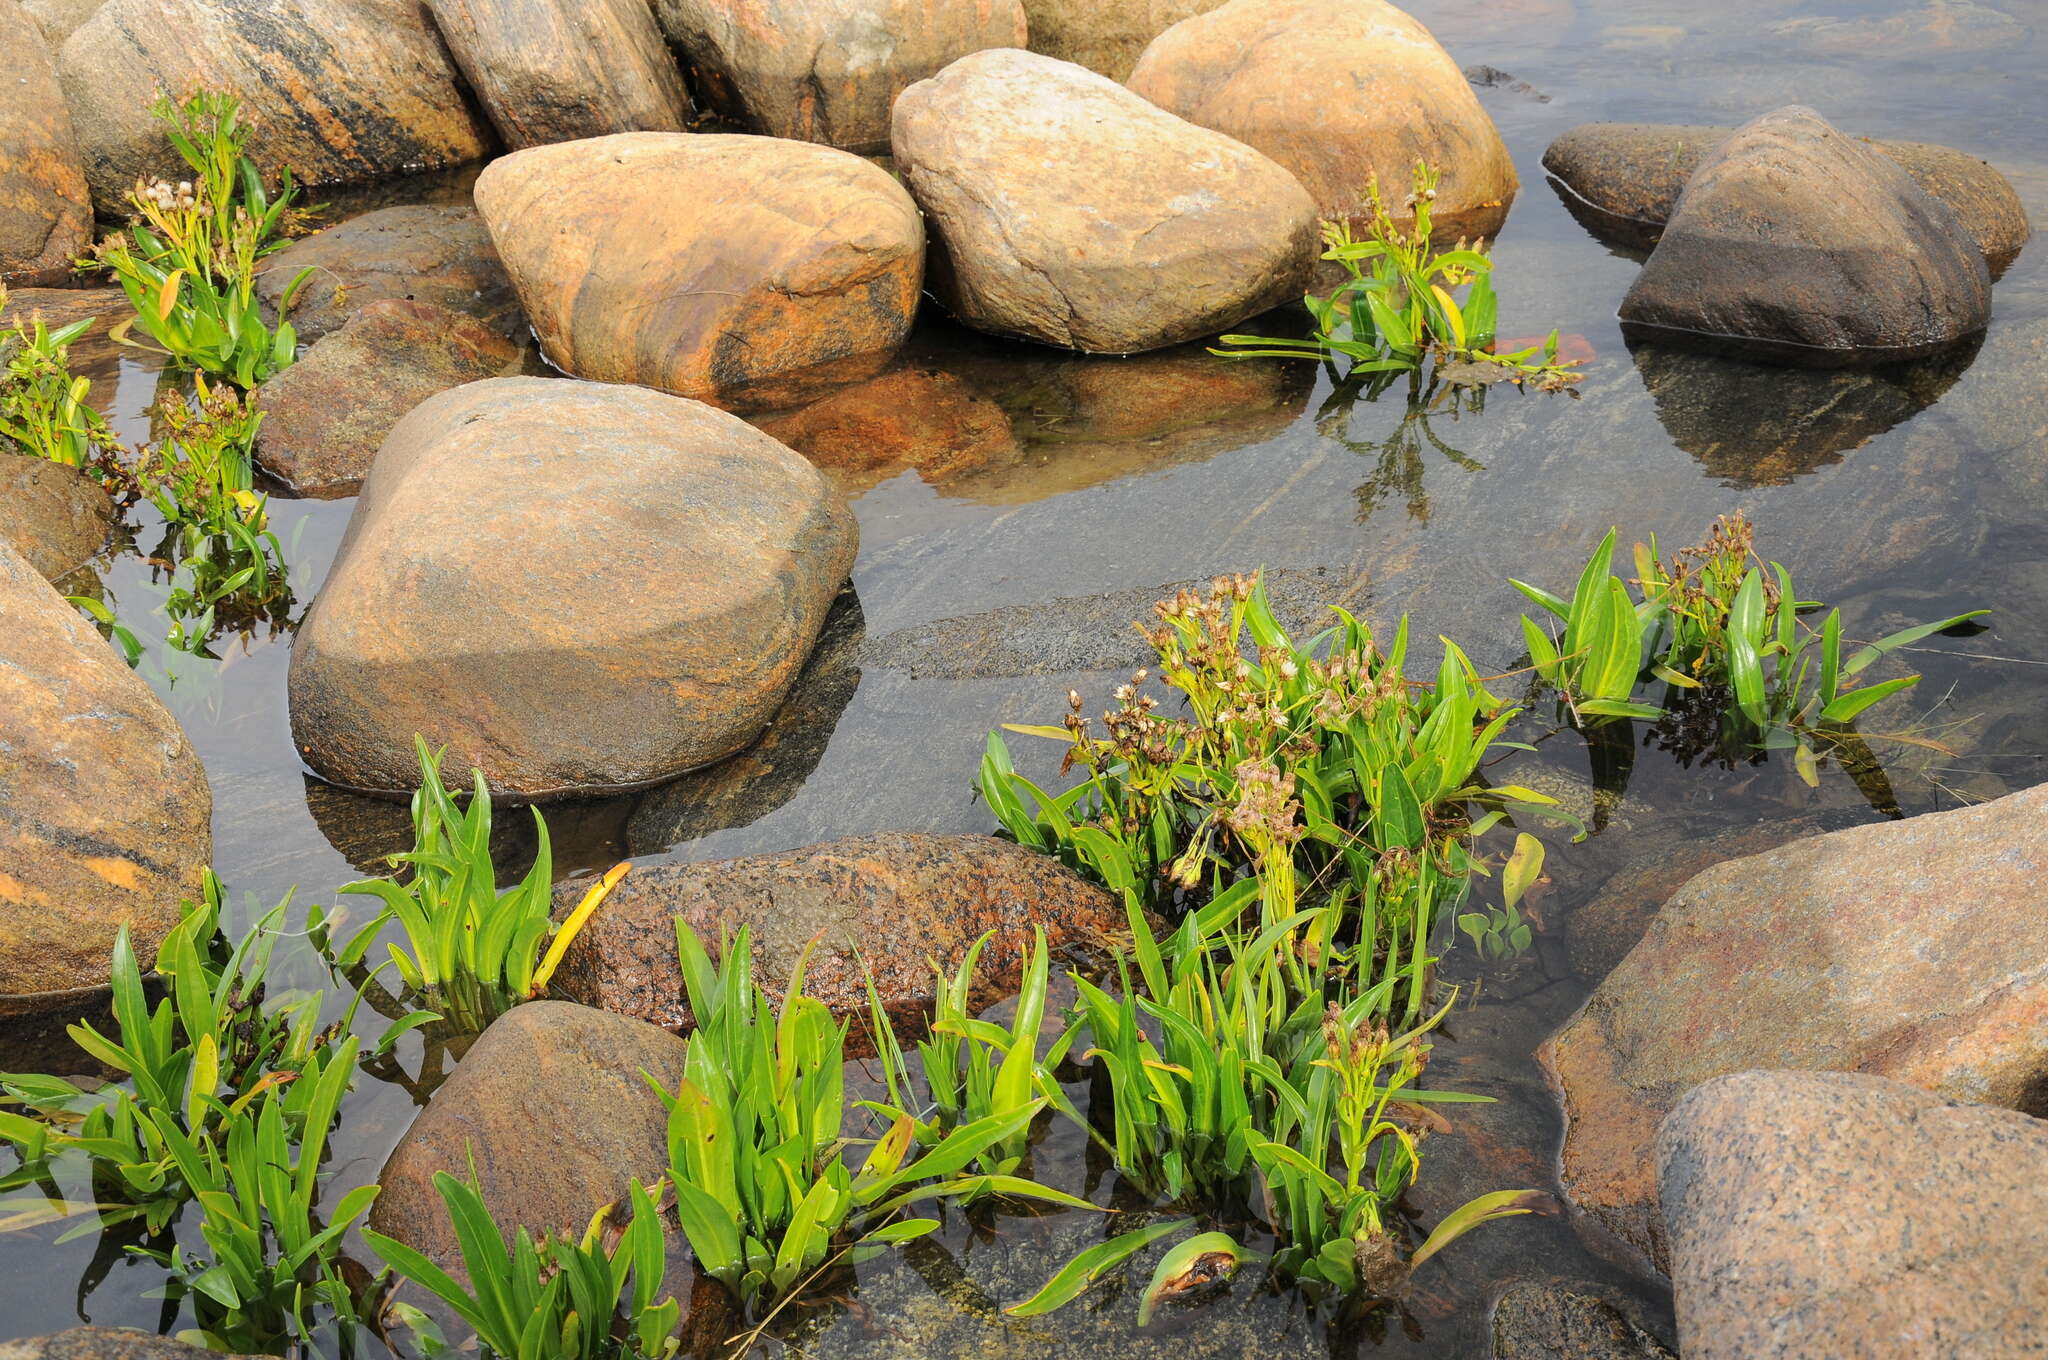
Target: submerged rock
{"points": [[1852, 951], [1795, 242], [344, 90], [932, 422], [828, 71], [1838, 1214], [576, 587], [1262, 71], [102, 1343], [1547, 1322], [1071, 211], [325, 416], [1105, 36], [438, 253], [1622, 181], [105, 813], [54, 516], [892, 904], [710, 266], [45, 212], [556, 70]]}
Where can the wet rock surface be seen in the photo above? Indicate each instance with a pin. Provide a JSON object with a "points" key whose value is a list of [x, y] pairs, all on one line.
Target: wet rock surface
{"points": [[828, 70], [555, 70], [345, 91], [45, 213], [325, 416], [603, 587], [105, 812], [929, 421], [1547, 1322], [1794, 242], [56, 517], [1835, 1214], [1852, 951], [1261, 71], [437, 253], [713, 266], [101, 1343], [891, 903], [1106, 36], [1008, 153]]}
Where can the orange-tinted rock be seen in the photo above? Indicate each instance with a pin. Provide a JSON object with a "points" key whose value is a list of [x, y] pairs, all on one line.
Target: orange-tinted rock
{"points": [[420, 252], [105, 813], [1073, 212], [828, 70], [45, 215], [932, 422], [1105, 36], [710, 266], [55, 516], [1265, 72], [555, 70], [341, 91], [576, 587]]}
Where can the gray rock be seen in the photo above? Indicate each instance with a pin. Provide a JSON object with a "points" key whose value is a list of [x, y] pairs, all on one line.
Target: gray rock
{"points": [[1823, 1214], [102, 1343], [1794, 242], [438, 253], [1548, 1322], [55, 516], [58, 18]]}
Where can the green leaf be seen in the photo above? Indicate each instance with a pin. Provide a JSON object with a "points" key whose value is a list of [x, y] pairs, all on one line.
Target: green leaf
{"points": [[1848, 705], [1175, 1273], [1089, 1266]]}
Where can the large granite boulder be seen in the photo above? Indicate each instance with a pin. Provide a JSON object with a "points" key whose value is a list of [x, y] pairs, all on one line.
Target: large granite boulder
{"points": [[720, 267], [342, 91], [891, 904], [1794, 242], [556, 70], [1915, 950], [418, 252], [828, 70], [325, 417], [58, 18], [1623, 179], [45, 212], [54, 516], [102, 1343], [105, 813], [576, 587], [1071, 211], [1262, 71], [1833, 1214], [1105, 36]]}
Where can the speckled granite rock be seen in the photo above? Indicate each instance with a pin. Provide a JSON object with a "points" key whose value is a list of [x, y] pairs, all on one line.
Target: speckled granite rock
{"points": [[55, 516], [58, 18], [102, 1343], [1815, 1215], [1549, 1322], [893, 902], [1915, 950], [438, 253], [576, 587], [1105, 36], [45, 212]]}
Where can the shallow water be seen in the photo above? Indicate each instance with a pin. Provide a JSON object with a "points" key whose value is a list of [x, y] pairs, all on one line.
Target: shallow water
{"points": [[985, 588]]}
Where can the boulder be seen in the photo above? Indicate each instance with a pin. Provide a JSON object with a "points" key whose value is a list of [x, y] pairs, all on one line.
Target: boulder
{"points": [[576, 587], [1623, 179], [1071, 211], [926, 420], [1913, 950], [45, 212], [342, 91], [721, 267], [1105, 36], [105, 813], [54, 516], [102, 1343], [438, 253], [1548, 1322], [325, 416], [1836, 1214], [58, 18], [893, 903], [556, 70], [1262, 71], [828, 70], [1794, 242]]}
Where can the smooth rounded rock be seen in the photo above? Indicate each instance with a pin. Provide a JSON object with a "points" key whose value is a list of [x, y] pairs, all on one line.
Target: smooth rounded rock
{"points": [[1105, 36], [45, 212], [1796, 243], [341, 91], [829, 70], [102, 1343], [1823, 1214], [54, 516], [1263, 71], [556, 70], [105, 813], [721, 267], [575, 587], [437, 253], [1071, 211]]}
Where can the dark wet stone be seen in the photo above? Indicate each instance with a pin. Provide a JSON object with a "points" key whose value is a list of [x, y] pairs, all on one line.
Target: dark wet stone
{"points": [[1487, 77], [1549, 1322], [1841, 1214], [102, 1343], [1796, 243], [929, 421], [55, 516], [438, 253]]}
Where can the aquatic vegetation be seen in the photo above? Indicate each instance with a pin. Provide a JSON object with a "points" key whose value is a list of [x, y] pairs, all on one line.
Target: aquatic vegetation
{"points": [[471, 952], [43, 409], [188, 259], [555, 1299], [1398, 310]]}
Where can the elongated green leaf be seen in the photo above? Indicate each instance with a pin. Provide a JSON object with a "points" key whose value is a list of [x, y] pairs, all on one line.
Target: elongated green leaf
{"points": [[1090, 1265]]}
